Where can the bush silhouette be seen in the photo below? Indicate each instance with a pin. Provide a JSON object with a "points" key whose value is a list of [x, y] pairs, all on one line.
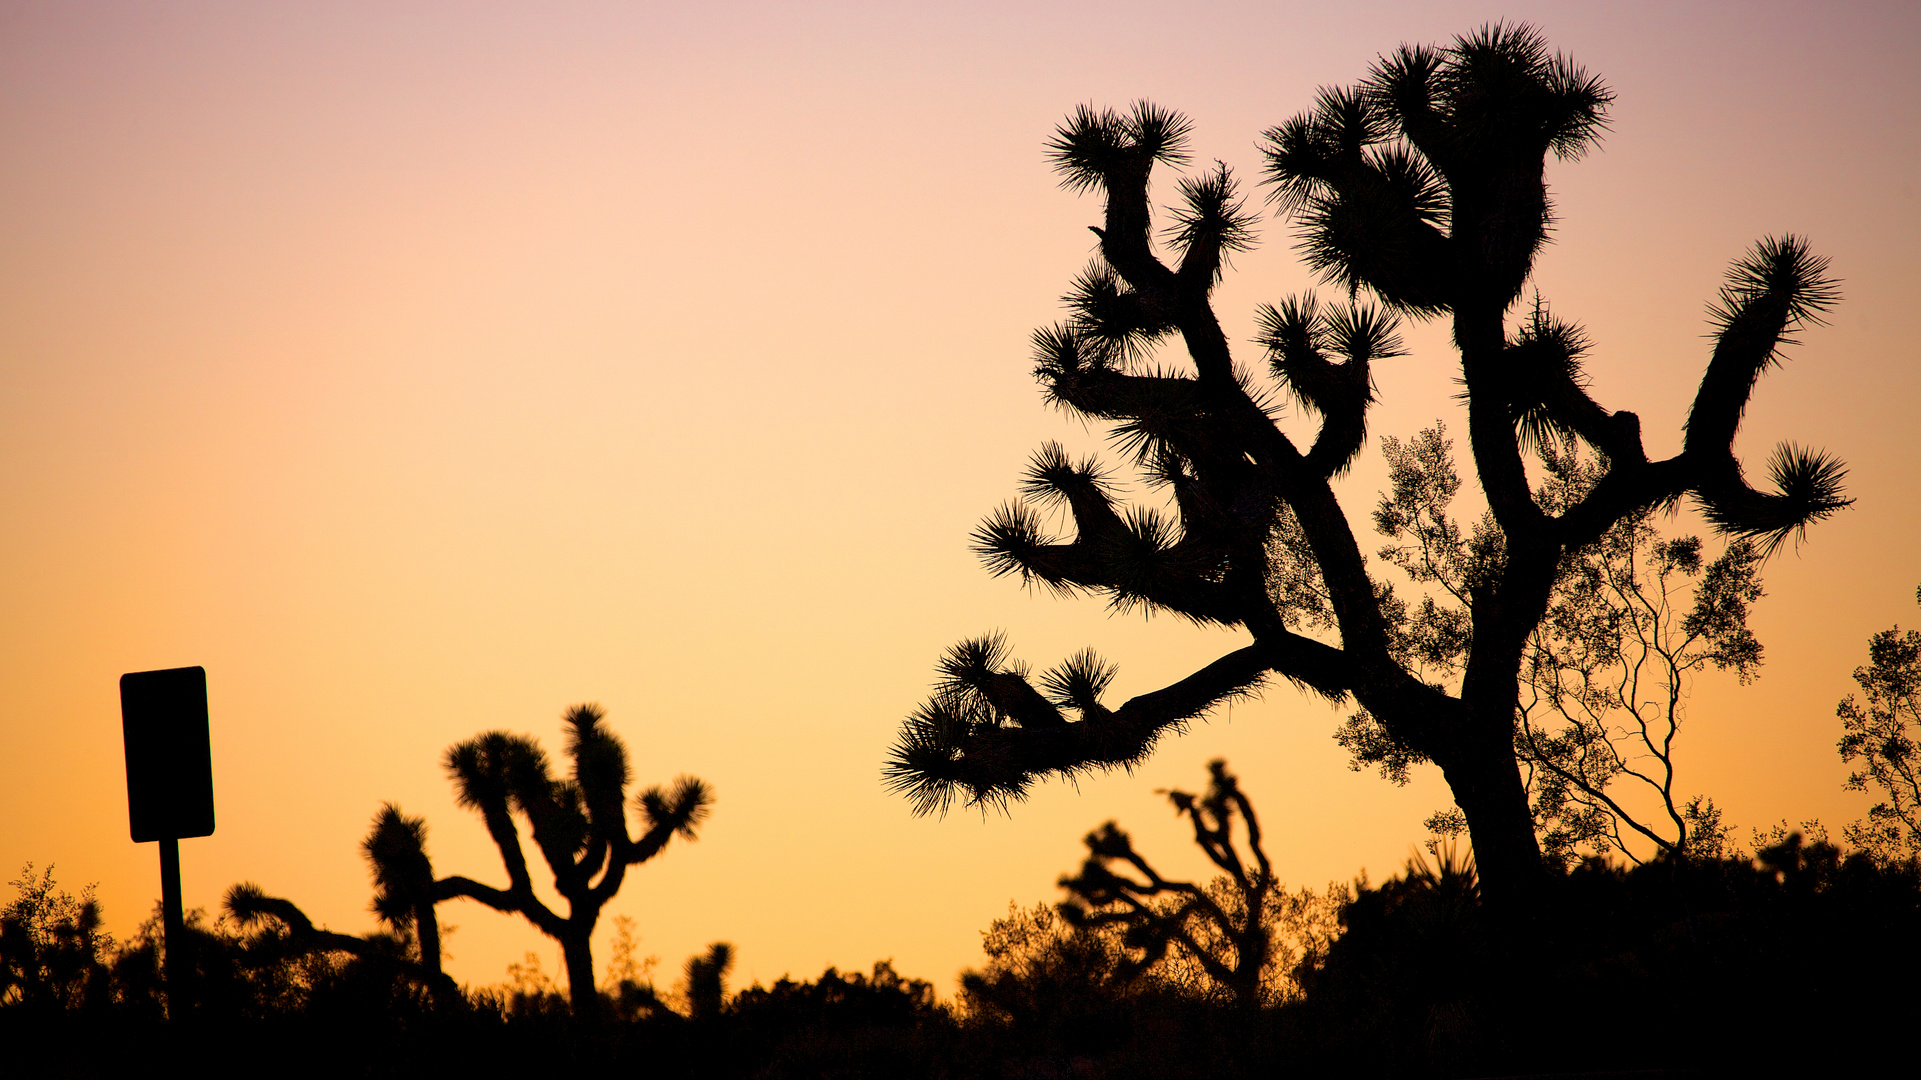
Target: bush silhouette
{"points": [[1881, 737]]}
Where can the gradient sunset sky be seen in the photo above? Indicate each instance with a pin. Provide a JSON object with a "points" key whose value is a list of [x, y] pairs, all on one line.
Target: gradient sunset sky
{"points": [[422, 369]]}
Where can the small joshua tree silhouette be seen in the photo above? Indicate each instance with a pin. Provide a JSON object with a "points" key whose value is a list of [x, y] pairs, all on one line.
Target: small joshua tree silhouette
{"points": [[1225, 929], [578, 823]]}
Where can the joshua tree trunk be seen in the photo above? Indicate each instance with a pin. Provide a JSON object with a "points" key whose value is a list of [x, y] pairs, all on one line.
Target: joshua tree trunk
{"points": [[1487, 787], [578, 947], [427, 928]]}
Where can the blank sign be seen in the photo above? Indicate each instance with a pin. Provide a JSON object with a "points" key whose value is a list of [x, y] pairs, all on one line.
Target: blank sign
{"points": [[163, 715]]}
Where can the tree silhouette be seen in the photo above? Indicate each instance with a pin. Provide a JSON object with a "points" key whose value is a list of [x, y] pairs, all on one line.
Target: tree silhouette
{"points": [[1423, 188], [1226, 928], [281, 933], [1881, 732], [579, 825]]}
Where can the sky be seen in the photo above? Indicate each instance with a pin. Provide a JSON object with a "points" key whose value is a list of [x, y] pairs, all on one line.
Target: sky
{"points": [[424, 369]]}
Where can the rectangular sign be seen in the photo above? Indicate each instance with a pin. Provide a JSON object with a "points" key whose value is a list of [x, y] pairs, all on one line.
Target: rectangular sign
{"points": [[163, 715]]}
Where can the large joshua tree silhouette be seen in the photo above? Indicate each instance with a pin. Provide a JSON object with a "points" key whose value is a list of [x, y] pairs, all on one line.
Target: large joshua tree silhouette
{"points": [[1226, 929], [1419, 193]]}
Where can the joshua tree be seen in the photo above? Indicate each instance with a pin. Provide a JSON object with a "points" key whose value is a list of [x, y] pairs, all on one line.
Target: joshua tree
{"points": [[579, 824], [283, 932], [1422, 189], [706, 981], [404, 892], [1225, 929]]}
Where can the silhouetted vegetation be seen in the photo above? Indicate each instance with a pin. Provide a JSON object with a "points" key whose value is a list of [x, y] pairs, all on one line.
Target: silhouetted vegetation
{"points": [[1216, 941], [73, 1002], [1542, 661], [579, 824], [51, 946], [1418, 193], [1666, 965], [1605, 675], [1881, 729]]}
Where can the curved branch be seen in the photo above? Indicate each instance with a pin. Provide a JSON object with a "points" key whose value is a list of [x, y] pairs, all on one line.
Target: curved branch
{"points": [[508, 902], [962, 744]]}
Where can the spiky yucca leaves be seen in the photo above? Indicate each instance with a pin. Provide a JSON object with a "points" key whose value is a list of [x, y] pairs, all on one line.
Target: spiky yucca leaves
{"points": [[1199, 438], [1423, 185], [250, 906], [1372, 212], [1300, 337], [1096, 144], [1771, 293], [672, 811], [1230, 941], [987, 733], [705, 981], [1138, 557], [579, 824], [1211, 222], [404, 888], [405, 893], [1546, 388]]}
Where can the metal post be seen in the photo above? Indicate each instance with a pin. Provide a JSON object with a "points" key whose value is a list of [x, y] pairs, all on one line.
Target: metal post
{"points": [[179, 967]]}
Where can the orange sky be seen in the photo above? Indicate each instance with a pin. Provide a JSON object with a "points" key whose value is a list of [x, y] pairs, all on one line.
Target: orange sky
{"points": [[424, 369]]}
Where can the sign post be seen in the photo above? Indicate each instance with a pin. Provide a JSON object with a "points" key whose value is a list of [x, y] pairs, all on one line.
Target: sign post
{"points": [[163, 717]]}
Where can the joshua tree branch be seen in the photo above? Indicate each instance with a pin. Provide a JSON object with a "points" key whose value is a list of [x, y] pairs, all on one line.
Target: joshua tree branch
{"points": [[511, 902], [249, 905]]}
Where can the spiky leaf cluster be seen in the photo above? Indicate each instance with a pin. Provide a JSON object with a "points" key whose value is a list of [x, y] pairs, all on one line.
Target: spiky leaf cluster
{"points": [[1302, 339], [1771, 293], [988, 731], [579, 825], [1409, 184], [396, 850]]}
